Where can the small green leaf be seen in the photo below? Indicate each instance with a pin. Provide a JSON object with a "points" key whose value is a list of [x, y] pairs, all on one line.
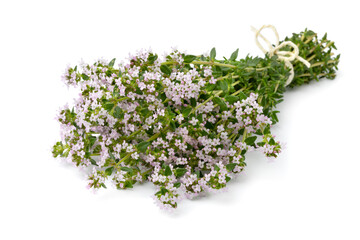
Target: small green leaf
{"points": [[111, 156], [179, 172], [84, 76], [172, 125], [216, 167], [177, 185], [103, 185], [242, 96], [128, 184], [144, 112], [168, 171], [212, 54], [152, 58], [117, 112], [109, 171], [163, 190], [234, 55], [230, 166], [250, 140], [93, 162], [165, 69], [217, 71], [189, 58], [221, 103], [108, 106], [223, 85], [272, 141], [231, 99], [186, 111], [112, 62], [92, 140], [143, 146], [193, 102], [127, 169]]}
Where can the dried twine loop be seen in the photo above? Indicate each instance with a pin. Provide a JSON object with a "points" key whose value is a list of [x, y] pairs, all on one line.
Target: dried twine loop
{"points": [[286, 56]]}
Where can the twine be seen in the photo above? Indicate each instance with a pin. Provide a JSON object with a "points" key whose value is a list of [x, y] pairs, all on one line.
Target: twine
{"points": [[286, 56]]}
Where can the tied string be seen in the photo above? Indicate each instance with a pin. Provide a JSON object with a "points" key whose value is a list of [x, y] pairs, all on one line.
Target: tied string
{"points": [[286, 56]]}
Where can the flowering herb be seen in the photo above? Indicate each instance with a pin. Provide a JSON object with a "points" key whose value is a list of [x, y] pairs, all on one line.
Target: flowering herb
{"points": [[184, 122]]}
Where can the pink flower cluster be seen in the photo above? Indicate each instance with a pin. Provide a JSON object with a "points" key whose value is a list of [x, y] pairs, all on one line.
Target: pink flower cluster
{"points": [[143, 121]]}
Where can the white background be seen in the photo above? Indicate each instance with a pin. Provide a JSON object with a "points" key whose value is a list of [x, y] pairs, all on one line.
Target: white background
{"points": [[312, 191]]}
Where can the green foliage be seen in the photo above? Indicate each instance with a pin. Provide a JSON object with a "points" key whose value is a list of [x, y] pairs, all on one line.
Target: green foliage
{"points": [[165, 69], [250, 140], [189, 58], [84, 76], [168, 171], [221, 103], [112, 62], [143, 146], [179, 172], [234, 55], [212, 54], [117, 112], [109, 171]]}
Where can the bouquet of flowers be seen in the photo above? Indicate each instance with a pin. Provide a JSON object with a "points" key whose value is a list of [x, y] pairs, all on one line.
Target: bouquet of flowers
{"points": [[183, 122]]}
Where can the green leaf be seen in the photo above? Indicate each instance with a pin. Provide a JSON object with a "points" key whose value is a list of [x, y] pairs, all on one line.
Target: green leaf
{"points": [[127, 169], [221, 103], [189, 58], [108, 106], [217, 71], [250, 140], [177, 185], [109, 171], [84, 76], [103, 185], [234, 55], [241, 96], [163, 190], [93, 162], [168, 171], [128, 184], [193, 102], [223, 85], [186, 111], [111, 156], [117, 112], [230, 166], [143, 146], [165, 69], [272, 141], [179, 172], [92, 140], [216, 167], [144, 112], [112, 62], [212, 54], [152, 58], [231, 99], [172, 125]]}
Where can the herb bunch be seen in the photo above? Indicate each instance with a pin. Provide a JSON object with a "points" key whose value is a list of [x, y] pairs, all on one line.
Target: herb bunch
{"points": [[184, 122]]}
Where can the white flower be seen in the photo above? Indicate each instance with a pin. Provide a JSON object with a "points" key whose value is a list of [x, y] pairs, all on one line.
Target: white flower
{"points": [[179, 118], [193, 121]]}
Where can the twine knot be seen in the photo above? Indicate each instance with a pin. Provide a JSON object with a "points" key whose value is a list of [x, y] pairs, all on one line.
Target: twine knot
{"points": [[286, 56]]}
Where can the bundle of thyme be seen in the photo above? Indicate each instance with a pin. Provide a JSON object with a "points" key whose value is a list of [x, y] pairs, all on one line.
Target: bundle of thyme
{"points": [[185, 122]]}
